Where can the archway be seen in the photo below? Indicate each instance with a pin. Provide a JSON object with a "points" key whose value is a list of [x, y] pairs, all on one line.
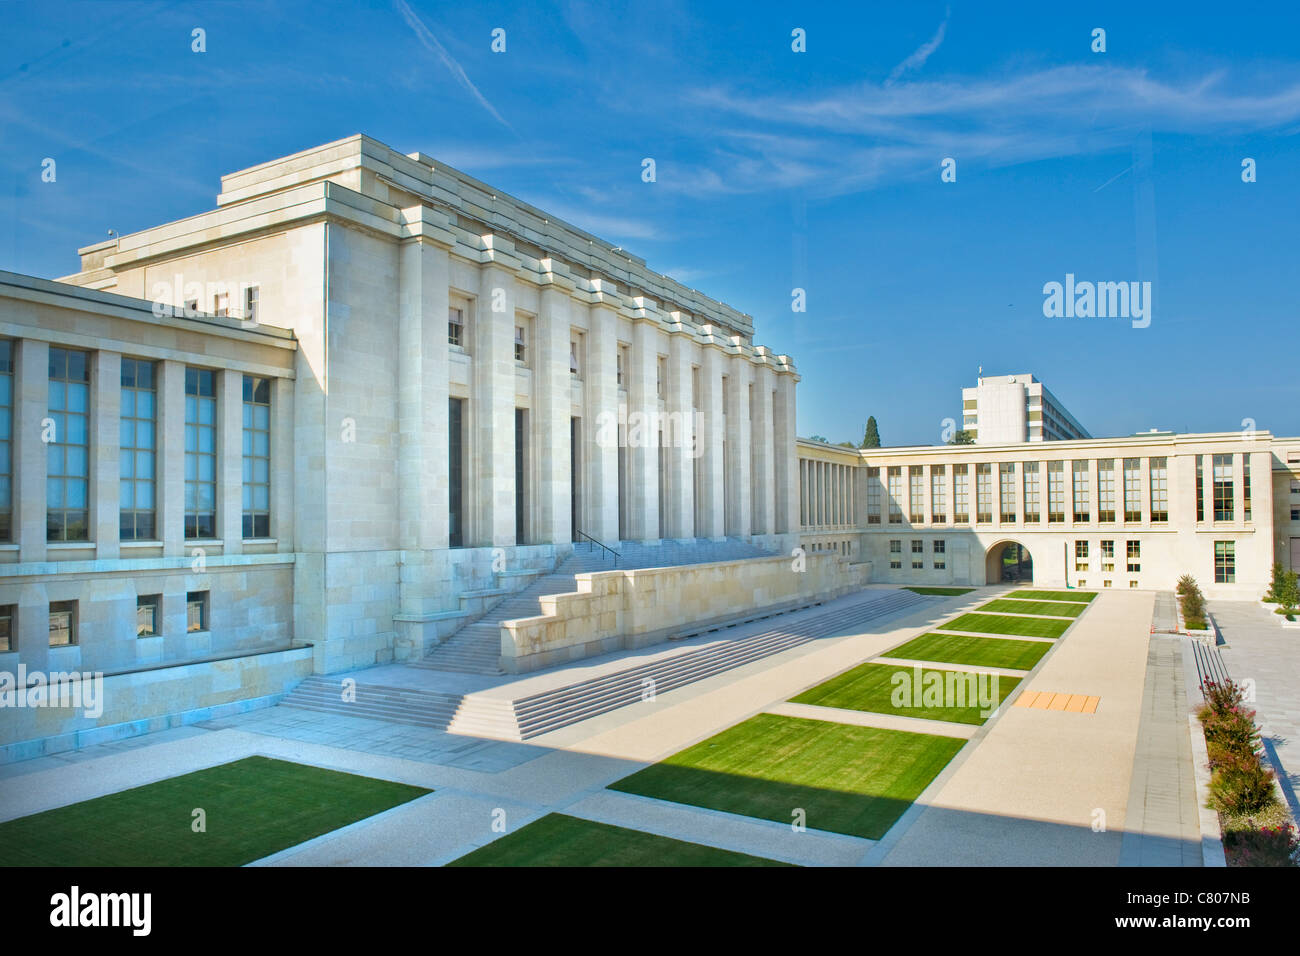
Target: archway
{"points": [[1009, 562]]}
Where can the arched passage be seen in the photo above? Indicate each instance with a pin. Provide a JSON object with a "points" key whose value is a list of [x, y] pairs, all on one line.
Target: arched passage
{"points": [[1008, 562]]}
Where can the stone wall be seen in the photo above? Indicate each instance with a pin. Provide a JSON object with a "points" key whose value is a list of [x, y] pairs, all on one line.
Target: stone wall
{"points": [[615, 610]]}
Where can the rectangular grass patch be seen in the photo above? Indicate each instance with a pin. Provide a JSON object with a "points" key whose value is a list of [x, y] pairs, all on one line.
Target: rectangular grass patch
{"points": [[1048, 608], [973, 651], [845, 779], [561, 840], [942, 592], [1004, 624], [1080, 597], [251, 808], [894, 689]]}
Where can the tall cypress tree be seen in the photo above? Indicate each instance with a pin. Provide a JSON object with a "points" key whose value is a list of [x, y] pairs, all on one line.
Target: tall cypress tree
{"points": [[871, 438]]}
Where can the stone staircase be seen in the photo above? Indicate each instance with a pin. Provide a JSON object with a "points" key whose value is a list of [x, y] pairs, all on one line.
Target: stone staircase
{"points": [[552, 710], [395, 705], [478, 715], [476, 647]]}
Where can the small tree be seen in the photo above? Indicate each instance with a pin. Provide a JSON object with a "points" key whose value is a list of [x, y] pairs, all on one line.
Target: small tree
{"points": [[962, 437], [1287, 593], [871, 436], [820, 438], [1278, 575]]}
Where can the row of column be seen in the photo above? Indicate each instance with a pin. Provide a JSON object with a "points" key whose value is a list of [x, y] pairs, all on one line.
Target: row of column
{"points": [[741, 466], [828, 494]]}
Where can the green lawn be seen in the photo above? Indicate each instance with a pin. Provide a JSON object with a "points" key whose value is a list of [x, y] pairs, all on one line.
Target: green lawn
{"points": [[1049, 608], [874, 688], [1002, 624], [943, 592], [973, 651], [846, 779], [560, 840], [254, 807], [1080, 597]]}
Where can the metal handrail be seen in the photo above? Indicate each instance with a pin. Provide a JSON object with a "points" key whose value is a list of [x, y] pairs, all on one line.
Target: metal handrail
{"points": [[591, 540]]}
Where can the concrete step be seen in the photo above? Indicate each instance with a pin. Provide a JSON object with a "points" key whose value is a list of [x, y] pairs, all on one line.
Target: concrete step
{"points": [[398, 705]]}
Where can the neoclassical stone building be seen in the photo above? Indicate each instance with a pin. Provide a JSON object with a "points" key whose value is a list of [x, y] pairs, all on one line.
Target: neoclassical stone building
{"points": [[362, 387], [1135, 512]]}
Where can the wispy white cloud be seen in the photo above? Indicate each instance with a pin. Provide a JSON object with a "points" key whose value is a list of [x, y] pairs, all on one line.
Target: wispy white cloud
{"points": [[921, 53], [853, 137], [430, 42]]}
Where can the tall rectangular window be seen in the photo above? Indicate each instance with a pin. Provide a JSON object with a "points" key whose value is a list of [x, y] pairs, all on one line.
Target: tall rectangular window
{"points": [[1159, 489], [916, 494], [940, 554], [938, 494], [1135, 556], [1225, 562], [1106, 489], [8, 613], [895, 555], [148, 615], [1081, 555], [1032, 501], [1055, 492], [521, 475], [895, 494], [200, 453], [252, 302], [1108, 555], [455, 474], [873, 496], [137, 515], [63, 623], [6, 440], [1245, 487], [67, 480], [918, 555], [984, 493], [196, 611], [1082, 509], [1223, 490], [960, 494], [1132, 489], [257, 457], [1007, 491], [1200, 490], [456, 326]]}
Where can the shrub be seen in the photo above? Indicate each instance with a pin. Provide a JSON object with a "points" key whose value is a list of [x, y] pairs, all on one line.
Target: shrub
{"points": [[1185, 583], [1263, 846], [1222, 696], [1287, 592], [1275, 583], [1240, 784], [1230, 735]]}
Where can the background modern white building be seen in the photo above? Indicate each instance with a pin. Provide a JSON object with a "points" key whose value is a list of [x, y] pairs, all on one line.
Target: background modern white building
{"points": [[1004, 409]]}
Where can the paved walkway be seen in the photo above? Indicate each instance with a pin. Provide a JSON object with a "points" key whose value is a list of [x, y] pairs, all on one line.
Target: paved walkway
{"points": [[1043, 787], [1257, 648], [1162, 825], [1023, 791]]}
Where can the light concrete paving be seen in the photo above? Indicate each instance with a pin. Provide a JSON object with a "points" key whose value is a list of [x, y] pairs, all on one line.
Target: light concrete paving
{"points": [[1033, 788]]}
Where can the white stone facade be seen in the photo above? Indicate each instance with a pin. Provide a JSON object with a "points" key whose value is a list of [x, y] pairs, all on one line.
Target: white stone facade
{"points": [[1006, 409], [1092, 513]]}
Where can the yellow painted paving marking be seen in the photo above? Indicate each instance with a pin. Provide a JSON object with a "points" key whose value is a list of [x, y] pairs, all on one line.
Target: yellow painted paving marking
{"points": [[1048, 700]]}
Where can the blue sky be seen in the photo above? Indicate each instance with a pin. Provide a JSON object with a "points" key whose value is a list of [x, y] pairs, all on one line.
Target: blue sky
{"points": [[775, 169]]}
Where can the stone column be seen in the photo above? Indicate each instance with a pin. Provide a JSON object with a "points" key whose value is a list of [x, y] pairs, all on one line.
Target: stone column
{"points": [[712, 445], [282, 464], [552, 411], [492, 415], [763, 438], [230, 460], [31, 406], [678, 429], [643, 433], [422, 392], [786, 455], [738, 446], [170, 457], [600, 388]]}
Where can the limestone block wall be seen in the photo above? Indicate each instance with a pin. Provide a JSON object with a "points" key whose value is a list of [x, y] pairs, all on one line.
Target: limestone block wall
{"points": [[126, 705], [634, 608]]}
